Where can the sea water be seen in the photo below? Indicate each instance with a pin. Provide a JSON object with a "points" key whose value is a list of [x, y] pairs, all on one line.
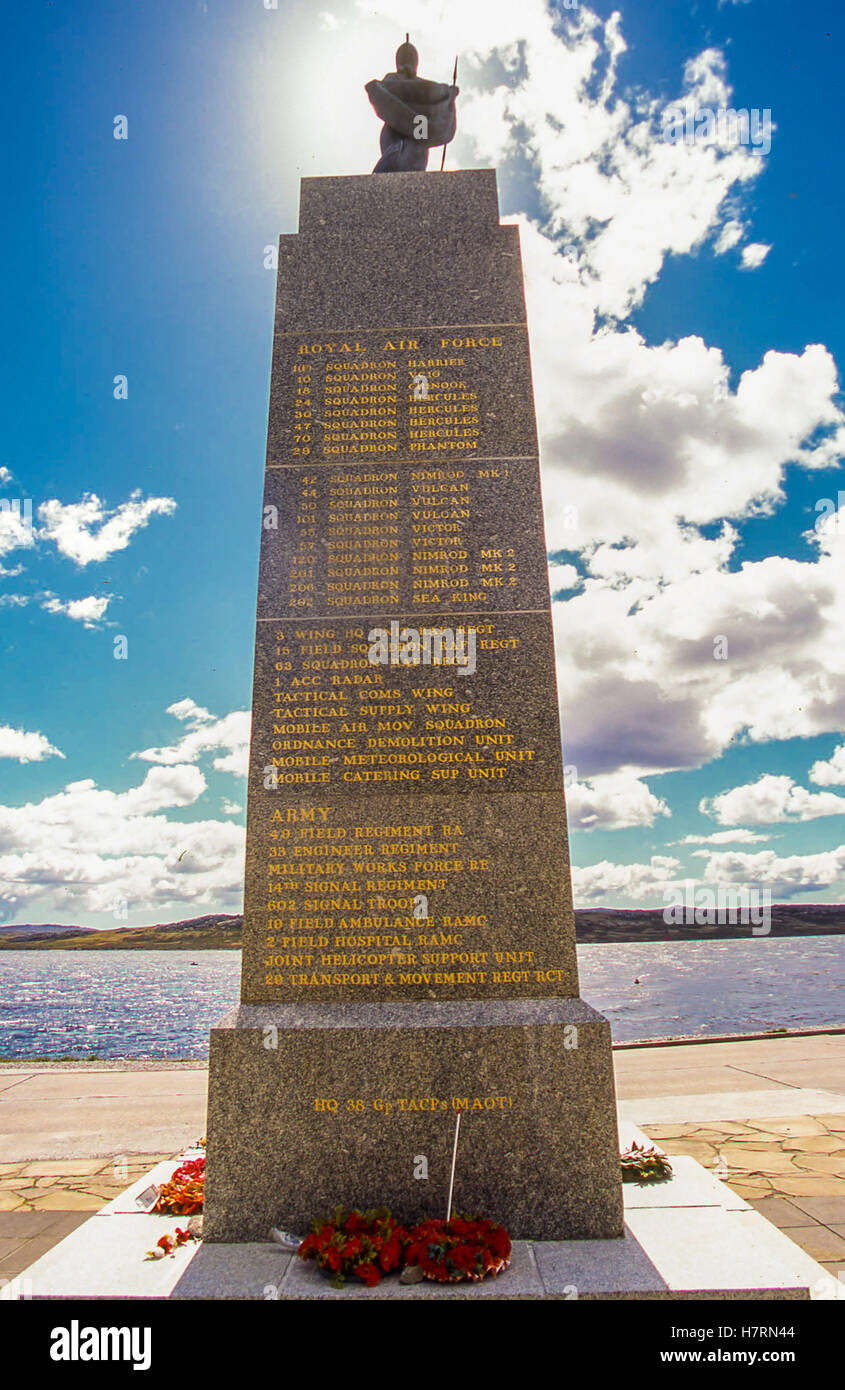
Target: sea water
{"points": [[158, 1004]]}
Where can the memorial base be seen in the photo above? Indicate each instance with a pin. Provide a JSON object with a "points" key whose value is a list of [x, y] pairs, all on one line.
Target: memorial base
{"points": [[689, 1238], [313, 1107]]}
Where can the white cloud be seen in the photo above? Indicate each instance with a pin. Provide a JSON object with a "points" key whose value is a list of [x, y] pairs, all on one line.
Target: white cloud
{"points": [[754, 254], [89, 532], [612, 803], [641, 439], [5, 475], [614, 186], [563, 576], [16, 530], [206, 733], [642, 688], [26, 747], [596, 882], [89, 850], [190, 712], [732, 232], [85, 531], [328, 21], [88, 611], [230, 808], [783, 875], [724, 837], [769, 800], [832, 772]]}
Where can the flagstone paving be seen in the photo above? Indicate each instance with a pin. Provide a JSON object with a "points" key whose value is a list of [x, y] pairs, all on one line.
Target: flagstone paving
{"points": [[791, 1170], [43, 1201], [82, 1185]]}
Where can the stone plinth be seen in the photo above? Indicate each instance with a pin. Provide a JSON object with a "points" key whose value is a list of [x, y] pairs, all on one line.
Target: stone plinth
{"points": [[537, 1149]]}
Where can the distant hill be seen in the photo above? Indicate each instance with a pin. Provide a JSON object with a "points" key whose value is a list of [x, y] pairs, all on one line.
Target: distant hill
{"points": [[44, 929], [213, 933], [647, 924], [223, 932]]}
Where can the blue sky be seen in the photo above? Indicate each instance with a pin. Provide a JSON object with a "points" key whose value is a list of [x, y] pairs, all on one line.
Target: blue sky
{"points": [[673, 292]]}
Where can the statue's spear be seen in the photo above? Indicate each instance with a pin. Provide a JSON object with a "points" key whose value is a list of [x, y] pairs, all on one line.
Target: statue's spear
{"points": [[454, 83]]}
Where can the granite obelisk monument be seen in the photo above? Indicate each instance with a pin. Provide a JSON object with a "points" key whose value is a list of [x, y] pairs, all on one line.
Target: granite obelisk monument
{"points": [[409, 944]]}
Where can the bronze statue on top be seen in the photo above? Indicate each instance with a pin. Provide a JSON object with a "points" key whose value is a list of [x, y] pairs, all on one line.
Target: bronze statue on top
{"points": [[417, 114]]}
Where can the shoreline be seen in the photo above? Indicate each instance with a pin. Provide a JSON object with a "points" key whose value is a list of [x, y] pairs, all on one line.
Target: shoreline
{"points": [[589, 936], [201, 1064], [728, 921], [699, 934]]}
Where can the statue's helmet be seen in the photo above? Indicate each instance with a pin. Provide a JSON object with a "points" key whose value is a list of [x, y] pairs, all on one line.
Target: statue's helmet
{"points": [[407, 59]]}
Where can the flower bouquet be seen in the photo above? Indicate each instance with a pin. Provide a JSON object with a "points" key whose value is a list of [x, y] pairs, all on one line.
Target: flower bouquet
{"points": [[462, 1248], [168, 1244], [645, 1163], [183, 1194], [366, 1244]]}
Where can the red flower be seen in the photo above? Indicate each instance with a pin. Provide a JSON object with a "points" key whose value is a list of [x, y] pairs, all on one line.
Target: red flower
{"points": [[183, 1194], [370, 1244], [363, 1243], [463, 1248], [391, 1253]]}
